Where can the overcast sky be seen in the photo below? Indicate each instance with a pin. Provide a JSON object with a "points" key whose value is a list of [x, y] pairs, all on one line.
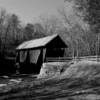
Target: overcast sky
{"points": [[30, 10]]}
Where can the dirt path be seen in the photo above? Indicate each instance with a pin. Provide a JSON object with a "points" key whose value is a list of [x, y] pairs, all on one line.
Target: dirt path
{"points": [[65, 89]]}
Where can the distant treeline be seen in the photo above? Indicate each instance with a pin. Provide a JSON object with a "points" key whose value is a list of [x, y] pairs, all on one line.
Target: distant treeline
{"points": [[78, 29]]}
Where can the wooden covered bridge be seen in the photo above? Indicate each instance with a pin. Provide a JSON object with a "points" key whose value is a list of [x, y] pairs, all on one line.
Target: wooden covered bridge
{"points": [[32, 54]]}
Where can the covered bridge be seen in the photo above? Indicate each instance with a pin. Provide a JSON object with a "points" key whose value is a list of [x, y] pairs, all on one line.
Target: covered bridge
{"points": [[31, 54]]}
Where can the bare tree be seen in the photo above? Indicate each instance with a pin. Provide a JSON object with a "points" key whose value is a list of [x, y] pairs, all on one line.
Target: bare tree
{"points": [[3, 16], [38, 31], [28, 31], [75, 30], [50, 24]]}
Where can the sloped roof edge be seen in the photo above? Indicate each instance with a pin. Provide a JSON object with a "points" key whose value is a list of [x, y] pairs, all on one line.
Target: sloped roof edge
{"points": [[36, 42]]}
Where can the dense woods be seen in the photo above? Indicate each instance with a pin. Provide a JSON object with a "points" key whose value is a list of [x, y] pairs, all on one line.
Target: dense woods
{"points": [[79, 29]]}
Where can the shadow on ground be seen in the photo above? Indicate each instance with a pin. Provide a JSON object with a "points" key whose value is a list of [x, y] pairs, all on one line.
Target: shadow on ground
{"points": [[66, 88]]}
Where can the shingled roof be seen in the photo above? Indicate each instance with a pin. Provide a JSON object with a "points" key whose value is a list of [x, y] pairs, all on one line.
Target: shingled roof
{"points": [[36, 42]]}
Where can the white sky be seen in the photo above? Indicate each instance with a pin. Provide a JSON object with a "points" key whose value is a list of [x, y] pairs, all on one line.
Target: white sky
{"points": [[30, 10]]}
